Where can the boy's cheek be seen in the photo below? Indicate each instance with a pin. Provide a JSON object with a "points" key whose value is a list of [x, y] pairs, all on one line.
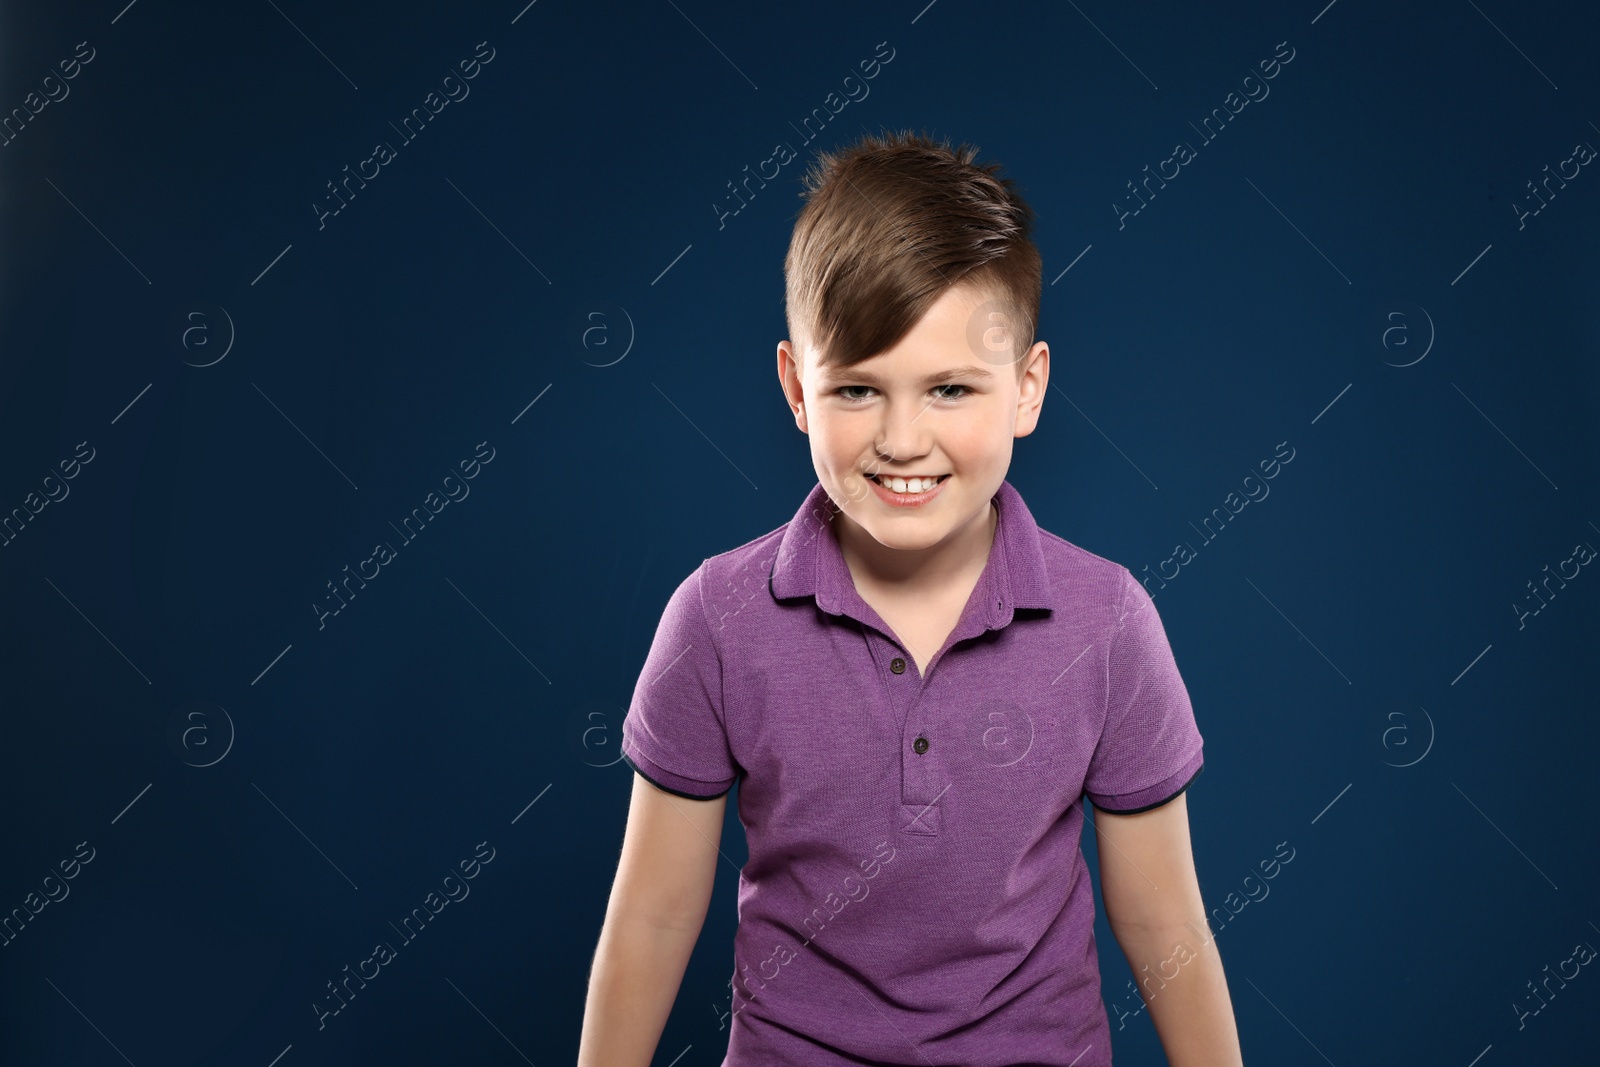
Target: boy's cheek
{"points": [[855, 488]]}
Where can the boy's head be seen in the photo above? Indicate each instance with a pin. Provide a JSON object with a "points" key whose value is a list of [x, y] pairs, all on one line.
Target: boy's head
{"points": [[908, 261]]}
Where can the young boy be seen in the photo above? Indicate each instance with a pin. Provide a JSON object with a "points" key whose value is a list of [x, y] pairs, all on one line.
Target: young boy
{"points": [[914, 687]]}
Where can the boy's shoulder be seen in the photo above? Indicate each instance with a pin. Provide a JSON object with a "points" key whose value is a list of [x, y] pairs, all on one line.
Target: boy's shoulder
{"points": [[756, 551], [1084, 583], [1077, 564], [730, 581]]}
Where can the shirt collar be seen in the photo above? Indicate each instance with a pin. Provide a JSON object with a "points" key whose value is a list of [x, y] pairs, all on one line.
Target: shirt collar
{"points": [[809, 561]]}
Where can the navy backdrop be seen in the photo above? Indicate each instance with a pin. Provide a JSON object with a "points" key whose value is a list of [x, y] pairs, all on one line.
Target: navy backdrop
{"points": [[230, 369]]}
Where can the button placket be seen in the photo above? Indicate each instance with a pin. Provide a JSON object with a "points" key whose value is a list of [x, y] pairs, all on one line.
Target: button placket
{"points": [[924, 775], [903, 689], [922, 778]]}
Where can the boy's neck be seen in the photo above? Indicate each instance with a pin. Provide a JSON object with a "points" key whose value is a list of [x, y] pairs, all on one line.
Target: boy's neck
{"points": [[924, 572]]}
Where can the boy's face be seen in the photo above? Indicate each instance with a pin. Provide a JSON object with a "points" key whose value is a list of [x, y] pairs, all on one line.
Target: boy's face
{"points": [[884, 417]]}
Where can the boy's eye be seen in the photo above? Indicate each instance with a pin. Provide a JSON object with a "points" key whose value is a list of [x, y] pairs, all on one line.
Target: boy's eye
{"points": [[844, 391]]}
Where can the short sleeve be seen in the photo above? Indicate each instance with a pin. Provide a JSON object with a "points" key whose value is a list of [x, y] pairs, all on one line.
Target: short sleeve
{"points": [[1149, 748], [674, 733]]}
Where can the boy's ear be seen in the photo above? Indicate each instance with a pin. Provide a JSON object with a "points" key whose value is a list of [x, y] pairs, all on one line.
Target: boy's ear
{"points": [[789, 379], [1031, 388]]}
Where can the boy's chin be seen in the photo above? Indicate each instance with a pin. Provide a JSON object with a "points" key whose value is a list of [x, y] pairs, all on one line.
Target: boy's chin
{"points": [[905, 544], [908, 530]]}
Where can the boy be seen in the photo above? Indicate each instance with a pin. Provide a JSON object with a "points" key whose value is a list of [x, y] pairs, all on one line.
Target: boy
{"points": [[914, 687]]}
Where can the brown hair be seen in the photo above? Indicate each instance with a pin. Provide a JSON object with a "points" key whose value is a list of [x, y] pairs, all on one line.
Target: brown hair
{"points": [[890, 223]]}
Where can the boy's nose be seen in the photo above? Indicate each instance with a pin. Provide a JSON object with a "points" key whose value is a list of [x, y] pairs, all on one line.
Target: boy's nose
{"points": [[903, 432]]}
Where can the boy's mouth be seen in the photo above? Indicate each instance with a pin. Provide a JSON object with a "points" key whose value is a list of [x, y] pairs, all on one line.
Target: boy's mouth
{"points": [[885, 479]]}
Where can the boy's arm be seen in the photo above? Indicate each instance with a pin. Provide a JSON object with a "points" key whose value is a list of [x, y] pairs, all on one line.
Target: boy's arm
{"points": [[1153, 905], [658, 905]]}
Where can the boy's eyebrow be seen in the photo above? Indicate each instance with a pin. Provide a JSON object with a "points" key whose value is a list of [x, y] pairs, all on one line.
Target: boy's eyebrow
{"points": [[949, 374]]}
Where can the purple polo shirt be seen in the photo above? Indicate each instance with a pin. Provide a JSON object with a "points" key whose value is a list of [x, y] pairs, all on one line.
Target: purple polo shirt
{"points": [[916, 892]]}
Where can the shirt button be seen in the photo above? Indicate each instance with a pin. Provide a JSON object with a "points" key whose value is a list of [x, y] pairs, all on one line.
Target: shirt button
{"points": [[897, 665], [920, 745]]}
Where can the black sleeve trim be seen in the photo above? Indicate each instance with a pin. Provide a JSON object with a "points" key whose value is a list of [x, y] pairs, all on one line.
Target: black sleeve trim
{"points": [[1157, 804], [669, 789]]}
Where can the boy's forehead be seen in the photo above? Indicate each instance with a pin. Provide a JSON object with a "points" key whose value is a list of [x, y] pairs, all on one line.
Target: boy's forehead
{"points": [[922, 369], [928, 361], [931, 352], [968, 328]]}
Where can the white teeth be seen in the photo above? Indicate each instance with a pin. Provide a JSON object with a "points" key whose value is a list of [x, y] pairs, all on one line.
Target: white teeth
{"points": [[909, 486]]}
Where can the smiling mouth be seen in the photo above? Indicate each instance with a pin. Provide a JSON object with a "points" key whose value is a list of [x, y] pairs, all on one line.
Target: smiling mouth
{"points": [[880, 478]]}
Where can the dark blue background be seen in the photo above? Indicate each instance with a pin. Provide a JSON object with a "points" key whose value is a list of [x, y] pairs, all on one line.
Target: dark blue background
{"points": [[1357, 619]]}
